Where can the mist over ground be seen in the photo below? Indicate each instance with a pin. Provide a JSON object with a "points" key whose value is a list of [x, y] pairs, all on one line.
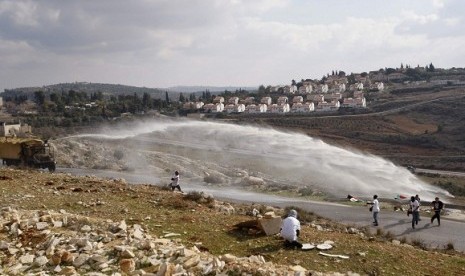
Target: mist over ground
{"points": [[245, 156]]}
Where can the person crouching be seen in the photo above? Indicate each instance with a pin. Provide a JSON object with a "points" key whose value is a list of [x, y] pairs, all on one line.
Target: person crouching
{"points": [[290, 230]]}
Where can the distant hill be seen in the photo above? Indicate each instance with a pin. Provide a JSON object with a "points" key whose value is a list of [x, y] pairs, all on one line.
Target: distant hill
{"points": [[193, 89], [118, 89], [106, 89]]}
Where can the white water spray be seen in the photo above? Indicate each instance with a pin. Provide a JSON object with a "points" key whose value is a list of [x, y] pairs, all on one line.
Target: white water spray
{"points": [[285, 157]]}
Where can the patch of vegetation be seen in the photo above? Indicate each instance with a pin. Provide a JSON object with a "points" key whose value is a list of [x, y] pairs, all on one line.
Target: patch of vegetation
{"points": [[450, 246], [303, 215], [453, 188], [306, 191], [433, 175], [419, 243], [118, 154]]}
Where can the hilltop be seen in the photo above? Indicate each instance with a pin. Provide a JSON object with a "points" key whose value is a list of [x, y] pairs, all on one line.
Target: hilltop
{"points": [[87, 87]]}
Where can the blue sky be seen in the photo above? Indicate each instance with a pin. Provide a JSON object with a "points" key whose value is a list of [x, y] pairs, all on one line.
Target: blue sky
{"points": [[162, 43]]}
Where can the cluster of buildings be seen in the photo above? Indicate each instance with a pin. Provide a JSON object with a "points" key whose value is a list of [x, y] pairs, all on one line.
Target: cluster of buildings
{"points": [[307, 96], [331, 84], [283, 104]]}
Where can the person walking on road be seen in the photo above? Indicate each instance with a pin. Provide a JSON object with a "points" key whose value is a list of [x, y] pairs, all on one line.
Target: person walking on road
{"points": [[437, 208], [414, 206], [375, 209], [290, 230], [175, 182]]}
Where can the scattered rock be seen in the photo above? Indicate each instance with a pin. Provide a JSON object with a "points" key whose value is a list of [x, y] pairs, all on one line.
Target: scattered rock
{"points": [[128, 265], [78, 245]]}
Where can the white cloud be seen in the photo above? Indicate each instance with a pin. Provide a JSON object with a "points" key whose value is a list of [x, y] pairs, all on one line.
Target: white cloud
{"points": [[452, 22], [220, 42], [438, 3], [420, 19]]}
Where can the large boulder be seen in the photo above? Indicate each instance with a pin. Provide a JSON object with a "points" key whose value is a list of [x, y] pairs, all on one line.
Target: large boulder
{"points": [[253, 181], [270, 223], [213, 178]]}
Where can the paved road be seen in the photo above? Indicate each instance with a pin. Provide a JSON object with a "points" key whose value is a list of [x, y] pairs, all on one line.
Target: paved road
{"points": [[395, 222], [450, 173]]}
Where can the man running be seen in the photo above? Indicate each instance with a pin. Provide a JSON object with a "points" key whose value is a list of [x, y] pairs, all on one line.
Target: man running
{"points": [[175, 184], [437, 208]]}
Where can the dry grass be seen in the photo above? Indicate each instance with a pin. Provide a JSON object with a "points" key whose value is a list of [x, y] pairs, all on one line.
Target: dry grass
{"points": [[199, 223], [408, 125]]}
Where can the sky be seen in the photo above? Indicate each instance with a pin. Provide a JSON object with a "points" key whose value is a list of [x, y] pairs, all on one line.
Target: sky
{"points": [[164, 43]]}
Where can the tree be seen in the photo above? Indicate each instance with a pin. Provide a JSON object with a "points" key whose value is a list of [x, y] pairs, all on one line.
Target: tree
{"points": [[82, 96], [351, 78], [390, 70], [181, 98], [39, 97], [261, 90], [54, 97], [97, 96], [146, 100], [431, 67], [268, 89], [167, 98], [72, 97], [208, 95]]}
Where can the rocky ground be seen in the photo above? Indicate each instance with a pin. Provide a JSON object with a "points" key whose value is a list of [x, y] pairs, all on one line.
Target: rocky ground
{"points": [[49, 242], [58, 224], [54, 239]]}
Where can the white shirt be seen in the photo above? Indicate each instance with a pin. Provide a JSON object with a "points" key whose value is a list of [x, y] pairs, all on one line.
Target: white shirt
{"points": [[375, 205], [289, 227], [414, 205], [175, 180]]}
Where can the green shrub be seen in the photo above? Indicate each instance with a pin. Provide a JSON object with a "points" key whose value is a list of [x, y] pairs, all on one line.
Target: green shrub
{"points": [[306, 191]]}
